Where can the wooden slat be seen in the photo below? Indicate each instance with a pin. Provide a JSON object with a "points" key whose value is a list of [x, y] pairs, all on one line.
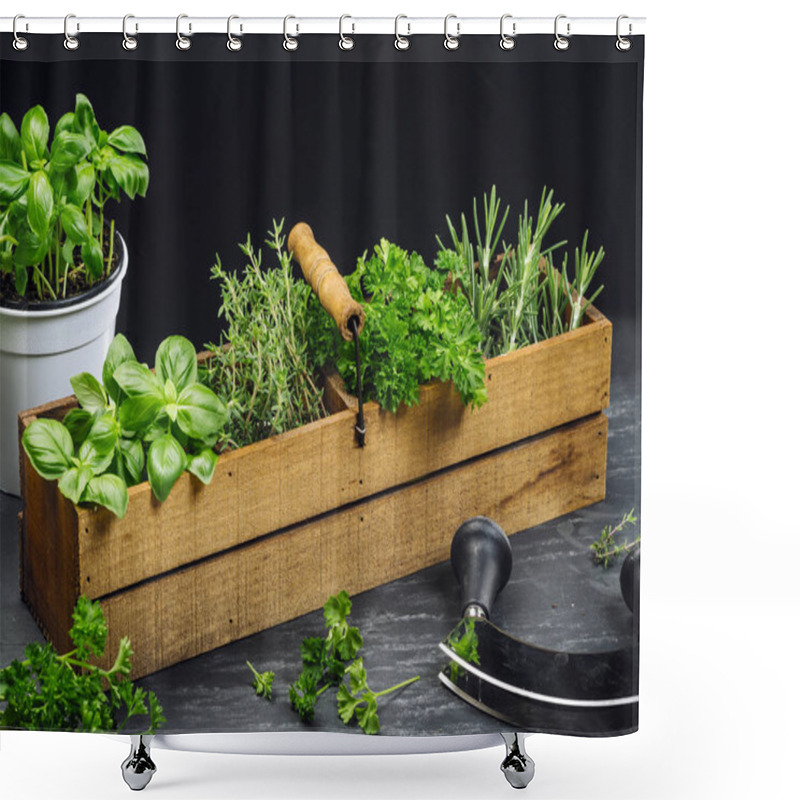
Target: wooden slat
{"points": [[280, 577]]}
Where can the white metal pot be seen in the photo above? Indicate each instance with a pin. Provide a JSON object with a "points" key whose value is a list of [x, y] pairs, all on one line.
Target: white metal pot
{"points": [[40, 350]]}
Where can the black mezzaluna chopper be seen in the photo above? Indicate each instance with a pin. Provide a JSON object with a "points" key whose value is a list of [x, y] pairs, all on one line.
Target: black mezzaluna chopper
{"points": [[529, 687]]}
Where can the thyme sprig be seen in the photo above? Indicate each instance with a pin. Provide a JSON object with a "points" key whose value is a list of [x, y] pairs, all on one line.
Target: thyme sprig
{"points": [[606, 549], [265, 366]]}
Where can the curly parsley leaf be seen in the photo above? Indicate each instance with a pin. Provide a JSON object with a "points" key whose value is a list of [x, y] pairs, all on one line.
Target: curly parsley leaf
{"points": [[262, 682], [52, 692]]}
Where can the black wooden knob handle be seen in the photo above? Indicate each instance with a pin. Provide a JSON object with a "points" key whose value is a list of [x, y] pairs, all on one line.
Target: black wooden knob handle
{"points": [[629, 578], [481, 558]]}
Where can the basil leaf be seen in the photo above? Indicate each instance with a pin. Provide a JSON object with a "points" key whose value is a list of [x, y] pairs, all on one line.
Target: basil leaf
{"points": [[68, 149], [80, 183], [13, 181], [166, 461], [103, 434], [68, 251], [74, 224], [66, 123], [109, 491], [118, 353], [125, 175], [138, 413], [176, 360], [20, 279], [84, 121], [135, 379], [89, 392], [132, 455], [127, 139], [200, 411], [34, 132], [202, 465], [10, 145], [30, 250], [92, 255], [49, 447], [40, 203], [142, 173], [73, 482], [78, 421]]}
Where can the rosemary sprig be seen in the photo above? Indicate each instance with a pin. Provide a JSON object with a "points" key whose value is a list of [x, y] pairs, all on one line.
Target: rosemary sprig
{"points": [[518, 296]]}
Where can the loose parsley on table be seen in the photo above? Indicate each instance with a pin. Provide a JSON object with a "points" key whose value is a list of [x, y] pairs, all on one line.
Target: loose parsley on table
{"points": [[52, 692]]}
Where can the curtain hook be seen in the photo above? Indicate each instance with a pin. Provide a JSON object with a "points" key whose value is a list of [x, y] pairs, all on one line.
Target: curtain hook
{"points": [[401, 42], [507, 42], [561, 43], [70, 42], [346, 42], [182, 42], [20, 42], [289, 43], [234, 42], [623, 44], [451, 42], [129, 42]]}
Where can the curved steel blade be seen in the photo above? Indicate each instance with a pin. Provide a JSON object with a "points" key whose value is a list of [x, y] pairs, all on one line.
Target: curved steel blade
{"points": [[578, 680]]}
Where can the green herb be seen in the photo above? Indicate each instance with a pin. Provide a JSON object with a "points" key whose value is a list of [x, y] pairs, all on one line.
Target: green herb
{"points": [[51, 692], [324, 658], [53, 194], [606, 549], [162, 421], [325, 664], [355, 697], [415, 331], [465, 645], [264, 367], [262, 682], [517, 296]]}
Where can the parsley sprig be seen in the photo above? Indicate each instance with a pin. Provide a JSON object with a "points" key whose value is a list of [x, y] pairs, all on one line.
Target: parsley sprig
{"points": [[51, 692], [464, 644], [355, 697], [415, 331], [330, 661]]}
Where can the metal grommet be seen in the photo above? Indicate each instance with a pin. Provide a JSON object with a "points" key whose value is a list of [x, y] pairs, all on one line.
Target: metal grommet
{"points": [[182, 42], [70, 42], [561, 43], [507, 42], [20, 42], [346, 42], [129, 42], [234, 43], [401, 42], [289, 43], [451, 42], [623, 44]]}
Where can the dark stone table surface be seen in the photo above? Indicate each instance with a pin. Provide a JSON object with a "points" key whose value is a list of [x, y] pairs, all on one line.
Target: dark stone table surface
{"points": [[556, 597]]}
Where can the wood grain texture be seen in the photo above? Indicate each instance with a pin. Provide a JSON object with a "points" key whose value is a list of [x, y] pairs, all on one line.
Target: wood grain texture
{"points": [[265, 487], [282, 576]]}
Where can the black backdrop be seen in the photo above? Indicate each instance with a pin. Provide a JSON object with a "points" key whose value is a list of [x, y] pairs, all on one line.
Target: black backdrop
{"points": [[361, 145]]}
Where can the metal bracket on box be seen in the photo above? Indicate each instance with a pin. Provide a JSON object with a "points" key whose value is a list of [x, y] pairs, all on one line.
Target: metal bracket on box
{"points": [[138, 768], [517, 766]]}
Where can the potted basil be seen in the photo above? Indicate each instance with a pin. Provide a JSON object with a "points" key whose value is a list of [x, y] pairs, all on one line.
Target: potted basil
{"points": [[61, 260]]}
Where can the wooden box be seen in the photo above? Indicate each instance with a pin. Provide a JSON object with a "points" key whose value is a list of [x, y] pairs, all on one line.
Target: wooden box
{"points": [[290, 520]]}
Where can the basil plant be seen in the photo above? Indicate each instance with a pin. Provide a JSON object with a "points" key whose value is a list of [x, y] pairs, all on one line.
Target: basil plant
{"points": [[53, 193], [136, 421]]}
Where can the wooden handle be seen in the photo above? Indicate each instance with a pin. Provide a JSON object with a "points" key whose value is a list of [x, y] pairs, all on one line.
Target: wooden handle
{"points": [[325, 280]]}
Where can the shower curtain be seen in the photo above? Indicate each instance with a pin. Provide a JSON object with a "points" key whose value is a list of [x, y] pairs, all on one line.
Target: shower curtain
{"points": [[372, 147]]}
